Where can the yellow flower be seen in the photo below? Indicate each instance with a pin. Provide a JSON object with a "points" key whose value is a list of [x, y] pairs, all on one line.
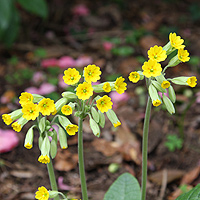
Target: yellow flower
{"points": [[66, 110], [30, 111], [72, 129], [157, 53], [44, 159], [92, 73], [106, 87], [42, 193], [117, 124], [176, 41], [151, 68], [71, 76], [104, 104], [120, 85], [16, 127], [7, 119], [192, 81], [25, 98], [183, 55], [46, 106], [156, 102], [28, 146], [84, 91], [165, 84], [134, 77]]}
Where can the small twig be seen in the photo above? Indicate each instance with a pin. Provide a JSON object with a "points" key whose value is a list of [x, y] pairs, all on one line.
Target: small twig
{"points": [[164, 185]]}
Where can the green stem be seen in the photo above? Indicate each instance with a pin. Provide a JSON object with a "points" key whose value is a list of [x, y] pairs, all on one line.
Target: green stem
{"points": [[52, 178], [145, 147], [81, 160]]}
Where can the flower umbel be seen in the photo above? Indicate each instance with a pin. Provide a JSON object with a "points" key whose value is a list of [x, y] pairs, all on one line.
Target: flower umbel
{"points": [[192, 81], [42, 193], [157, 53], [46, 106], [104, 103], [134, 77], [151, 68], [71, 76], [183, 55], [25, 98], [84, 91], [72, 129], [92, 73], [66, 110], [30, 111], [44, 159], [176, 41], [120, 85]]}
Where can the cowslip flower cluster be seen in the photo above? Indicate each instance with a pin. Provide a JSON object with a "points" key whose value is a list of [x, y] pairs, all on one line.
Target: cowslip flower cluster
{"points": [[156, 81]]}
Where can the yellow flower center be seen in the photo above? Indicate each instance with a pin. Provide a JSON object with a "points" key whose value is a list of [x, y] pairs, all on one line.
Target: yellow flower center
{"points": [[31, 111], [90, 73], [155, 56], [102, 103], [151, 70], [72, 78], [44, 105], [84, 90]]}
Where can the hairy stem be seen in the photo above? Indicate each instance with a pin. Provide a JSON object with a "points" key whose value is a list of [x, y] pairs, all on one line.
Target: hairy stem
{"points": [[81, 159], [52, 178], [145, 147]]}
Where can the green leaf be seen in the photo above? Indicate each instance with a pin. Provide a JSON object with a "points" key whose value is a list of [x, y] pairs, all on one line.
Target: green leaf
{"points": [[126, 187], [37, 7], [40, 53], [193, 194], [123, 51], [5, 13]]}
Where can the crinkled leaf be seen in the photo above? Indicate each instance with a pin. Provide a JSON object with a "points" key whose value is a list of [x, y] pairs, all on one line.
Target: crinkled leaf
{"points": [[193, 194], [126, 187], [37, 7]]}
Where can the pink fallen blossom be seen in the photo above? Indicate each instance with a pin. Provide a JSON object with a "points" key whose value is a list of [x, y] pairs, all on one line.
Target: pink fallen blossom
{"points": [[83, 61], [46, 88], [66, 61], [118, 98], [32, 90], [51, 62], [80, 10], [8, 140], [63, 186], [198, 97], [38, 77], [107, 46]]}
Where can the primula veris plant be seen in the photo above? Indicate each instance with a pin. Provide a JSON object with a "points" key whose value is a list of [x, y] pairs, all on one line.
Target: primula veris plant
{"points": [[82, 103]]}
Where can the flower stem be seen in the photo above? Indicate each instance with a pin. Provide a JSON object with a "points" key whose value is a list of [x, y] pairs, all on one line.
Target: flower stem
{"points": [[52, 178], [81, 160], [145, 147]]}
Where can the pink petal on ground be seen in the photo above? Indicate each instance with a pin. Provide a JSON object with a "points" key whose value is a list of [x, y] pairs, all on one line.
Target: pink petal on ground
{"points": [[8, 140], [46, 88], [118, 98], [80, 10], [66, 61], [32, 90], [63, 186], [107, 46], [61, 82], [51, 62], [38, 77], [83, 61]]}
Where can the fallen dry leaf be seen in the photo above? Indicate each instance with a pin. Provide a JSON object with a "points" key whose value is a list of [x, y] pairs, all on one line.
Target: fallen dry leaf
{"points": [[22, 174]]}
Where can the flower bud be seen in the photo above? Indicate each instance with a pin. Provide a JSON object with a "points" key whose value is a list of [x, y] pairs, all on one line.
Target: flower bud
{"points": [[37, 98], [172, 94], [180, 80], [72, 105], [101, 119], [160, 78], [9, 118], [168, 48], [40, 141], [42, 124], [113, 167], [59, 104], [103, 87], [113, 118], [154, 95], [95, 114], [18, 125], [141, 75], [53, 145], [169, 105], [174, 61], [62, 138], [95, 127], [69, 95], [157, 85], [53, 194], [64, 121], [28, 143], [45, 147]]}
